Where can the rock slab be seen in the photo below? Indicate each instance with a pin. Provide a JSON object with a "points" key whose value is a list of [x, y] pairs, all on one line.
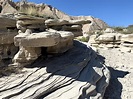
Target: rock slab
{"points": [[77, 74]]}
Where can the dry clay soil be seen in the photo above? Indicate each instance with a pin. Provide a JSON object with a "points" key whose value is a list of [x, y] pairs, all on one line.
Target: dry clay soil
{"points": [[121, 69]]}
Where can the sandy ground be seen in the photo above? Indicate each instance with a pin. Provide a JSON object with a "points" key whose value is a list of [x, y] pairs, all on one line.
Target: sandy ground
{"points": [[121, 68]]}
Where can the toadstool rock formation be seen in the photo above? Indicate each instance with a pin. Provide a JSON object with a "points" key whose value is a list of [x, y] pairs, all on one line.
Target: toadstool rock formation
{"points": [[36, 32]]}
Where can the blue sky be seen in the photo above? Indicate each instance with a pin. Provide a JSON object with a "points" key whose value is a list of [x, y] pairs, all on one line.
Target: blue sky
{"points": [[113, 12]]}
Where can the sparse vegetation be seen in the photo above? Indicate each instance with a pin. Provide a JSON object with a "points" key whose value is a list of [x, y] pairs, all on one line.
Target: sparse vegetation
{"points": [[83, 39], [130, 28], [118, 29], [124, 30]]}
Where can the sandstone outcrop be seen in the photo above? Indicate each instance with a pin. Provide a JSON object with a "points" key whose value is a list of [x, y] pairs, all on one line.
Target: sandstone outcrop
{"points": [[47, 11], [113, 40], [77, 74], [55, 35], [7, 32], [96, 24], [51, 64]]}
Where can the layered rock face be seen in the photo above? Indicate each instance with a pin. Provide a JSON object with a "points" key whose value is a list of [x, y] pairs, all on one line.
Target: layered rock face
{"points": [[56, 36], [51, 12], [76, 74], [113, 40], [53, 65], [7, 32], [96, 24]]}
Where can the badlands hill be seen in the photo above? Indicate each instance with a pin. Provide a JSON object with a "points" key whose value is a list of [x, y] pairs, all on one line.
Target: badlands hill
{"points": [[49, 11]]}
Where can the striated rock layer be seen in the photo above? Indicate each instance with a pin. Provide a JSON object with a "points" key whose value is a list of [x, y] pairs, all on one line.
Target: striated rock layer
{"points": [[7, 32], [76, 74]]}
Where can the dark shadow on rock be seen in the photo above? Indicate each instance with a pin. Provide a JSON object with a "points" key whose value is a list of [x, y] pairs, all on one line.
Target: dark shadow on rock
{"points": [[66, 64], [114, 89], [78, 64]]}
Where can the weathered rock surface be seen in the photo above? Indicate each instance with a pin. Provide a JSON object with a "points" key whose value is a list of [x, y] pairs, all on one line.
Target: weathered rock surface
{"points": [[47, 11], [96, 24], [112, 40], [41, 35], [127, 38], [7, 32], [41, 39], [76, 74]]}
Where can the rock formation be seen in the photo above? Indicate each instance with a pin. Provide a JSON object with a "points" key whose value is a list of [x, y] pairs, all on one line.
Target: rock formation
{"points": [[96, 24], [51, 12], [113, 40], [76, 74], [7, 32], [52, 65], [35, 33]]}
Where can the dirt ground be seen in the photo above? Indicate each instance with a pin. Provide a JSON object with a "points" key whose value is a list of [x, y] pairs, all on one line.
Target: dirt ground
{"points": [[121, 69]]}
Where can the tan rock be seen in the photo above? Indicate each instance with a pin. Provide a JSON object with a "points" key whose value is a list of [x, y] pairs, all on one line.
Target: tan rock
{"points": [[96, 24], [65, 43], [8, 7], [41, 39], [7, 37], [6, 22], [27, 55], [51, 22]]}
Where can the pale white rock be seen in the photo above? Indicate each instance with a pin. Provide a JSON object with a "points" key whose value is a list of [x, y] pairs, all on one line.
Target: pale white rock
{"points": [[127, 38], [109, 30], [96, 24], [106, 38]]}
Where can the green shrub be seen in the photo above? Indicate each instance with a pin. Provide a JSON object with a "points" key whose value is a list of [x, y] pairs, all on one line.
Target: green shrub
{"points": [[118, 29], [130, 28], [83, 39]]}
